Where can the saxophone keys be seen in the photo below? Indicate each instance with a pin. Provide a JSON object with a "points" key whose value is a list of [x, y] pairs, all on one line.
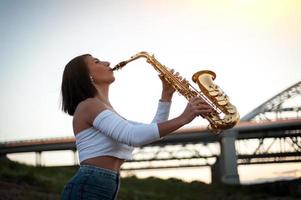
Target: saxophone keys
{"points": [[222, 99], [222, 103], [231, 109], [185, 83], [213, 90], [213, 93], [228, 118]]}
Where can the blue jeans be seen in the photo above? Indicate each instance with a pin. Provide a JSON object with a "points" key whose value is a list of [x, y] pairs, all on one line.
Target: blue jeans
{"points": [[91, 182]]}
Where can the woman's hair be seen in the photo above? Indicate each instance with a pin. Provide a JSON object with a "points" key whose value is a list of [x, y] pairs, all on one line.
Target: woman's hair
{"points": [[76, 84]]}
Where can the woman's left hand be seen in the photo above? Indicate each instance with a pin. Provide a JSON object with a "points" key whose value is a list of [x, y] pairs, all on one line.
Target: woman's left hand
{"points": [[167, 88]]}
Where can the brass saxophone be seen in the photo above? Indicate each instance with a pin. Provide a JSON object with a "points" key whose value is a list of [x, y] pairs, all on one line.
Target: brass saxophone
{"points": [[224, 115]]}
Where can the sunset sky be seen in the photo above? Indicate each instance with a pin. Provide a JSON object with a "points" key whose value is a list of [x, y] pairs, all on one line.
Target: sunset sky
{"points": [[254, 46]]}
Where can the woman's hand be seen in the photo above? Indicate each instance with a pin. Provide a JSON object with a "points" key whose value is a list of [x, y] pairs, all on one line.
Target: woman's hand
{"points": [[167, 89], [195, 107]]}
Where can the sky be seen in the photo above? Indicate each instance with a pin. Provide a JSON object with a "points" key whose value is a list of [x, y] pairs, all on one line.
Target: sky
{"points": [[254, 47]]}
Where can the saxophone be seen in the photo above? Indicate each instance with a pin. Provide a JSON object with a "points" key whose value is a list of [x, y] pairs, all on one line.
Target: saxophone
{"points": [[224, 115]]}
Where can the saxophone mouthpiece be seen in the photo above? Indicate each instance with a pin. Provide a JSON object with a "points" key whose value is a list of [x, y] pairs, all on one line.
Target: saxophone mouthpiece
{"points": [[119, 65]]}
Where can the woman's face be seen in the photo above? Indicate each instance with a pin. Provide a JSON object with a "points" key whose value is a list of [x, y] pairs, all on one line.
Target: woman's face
{"points": [[100, 70]]}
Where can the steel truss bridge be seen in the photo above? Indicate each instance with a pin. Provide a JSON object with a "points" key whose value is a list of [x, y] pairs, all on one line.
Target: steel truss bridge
{"points": [[271, 133], [270, 142]]}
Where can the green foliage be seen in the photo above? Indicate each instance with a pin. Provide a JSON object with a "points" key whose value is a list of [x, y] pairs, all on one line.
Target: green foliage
{"points": [[52, 179], [19, 181]]}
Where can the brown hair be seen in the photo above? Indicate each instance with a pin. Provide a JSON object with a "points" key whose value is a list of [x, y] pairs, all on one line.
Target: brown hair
{"points": [[76, 84]]}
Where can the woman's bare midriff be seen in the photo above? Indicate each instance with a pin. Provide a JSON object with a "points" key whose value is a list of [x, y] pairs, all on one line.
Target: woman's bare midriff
{"points": [[107, 162]]}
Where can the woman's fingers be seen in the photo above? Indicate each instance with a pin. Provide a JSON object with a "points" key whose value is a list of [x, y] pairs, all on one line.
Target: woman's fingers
{"points": [[194, 99], [176, 74], [196, 107], [199, 106], [198, 100], [204, 110], [203, 107]]}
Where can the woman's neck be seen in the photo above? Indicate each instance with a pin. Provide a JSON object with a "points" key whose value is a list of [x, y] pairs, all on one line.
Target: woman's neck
{"points": [[103, 94]]}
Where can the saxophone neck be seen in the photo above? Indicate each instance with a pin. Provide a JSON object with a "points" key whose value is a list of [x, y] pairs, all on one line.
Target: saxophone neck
{"points": [[134, 57], [119, 65]]}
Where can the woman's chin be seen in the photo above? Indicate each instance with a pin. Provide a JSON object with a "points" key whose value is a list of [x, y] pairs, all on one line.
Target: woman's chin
{"points": [[113, 79]]}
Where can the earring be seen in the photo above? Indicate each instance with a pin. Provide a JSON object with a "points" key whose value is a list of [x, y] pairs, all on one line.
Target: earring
{"points": [[92, 80]]}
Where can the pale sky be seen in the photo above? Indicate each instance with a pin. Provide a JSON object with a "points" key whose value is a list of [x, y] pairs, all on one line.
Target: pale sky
{"points": [[254, 46]]}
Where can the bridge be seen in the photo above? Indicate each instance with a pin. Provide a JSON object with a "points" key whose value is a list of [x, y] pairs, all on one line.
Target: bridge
{"points": [[271, 133]]}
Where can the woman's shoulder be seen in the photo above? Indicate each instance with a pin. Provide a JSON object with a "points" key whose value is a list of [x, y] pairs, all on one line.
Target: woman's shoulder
{"points": [[88, 109], [91, 105]]}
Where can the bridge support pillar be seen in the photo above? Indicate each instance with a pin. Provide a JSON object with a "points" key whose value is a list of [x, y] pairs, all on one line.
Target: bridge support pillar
{"points": [[216, 171], [75, 158], [225, 168], [38, 158]]}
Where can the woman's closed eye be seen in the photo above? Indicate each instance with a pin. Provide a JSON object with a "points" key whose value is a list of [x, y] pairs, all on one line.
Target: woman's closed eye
{"points": [[96, 60]]}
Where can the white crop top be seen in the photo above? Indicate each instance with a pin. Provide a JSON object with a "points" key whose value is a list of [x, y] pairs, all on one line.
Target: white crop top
{"points": [[112, 135]]}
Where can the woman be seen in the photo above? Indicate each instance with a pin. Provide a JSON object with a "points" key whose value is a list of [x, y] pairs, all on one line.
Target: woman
{"points": [[104, 139]]}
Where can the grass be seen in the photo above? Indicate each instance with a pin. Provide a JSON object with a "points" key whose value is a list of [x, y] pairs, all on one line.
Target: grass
{"points": [[19, 181]]}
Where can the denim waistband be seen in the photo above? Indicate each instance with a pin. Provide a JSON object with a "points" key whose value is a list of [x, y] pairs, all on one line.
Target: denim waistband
{"points": [[99, 170]]}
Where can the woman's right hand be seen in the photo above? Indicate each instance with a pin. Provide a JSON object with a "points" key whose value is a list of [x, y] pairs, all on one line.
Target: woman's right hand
{"points": [[195, 107]]}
